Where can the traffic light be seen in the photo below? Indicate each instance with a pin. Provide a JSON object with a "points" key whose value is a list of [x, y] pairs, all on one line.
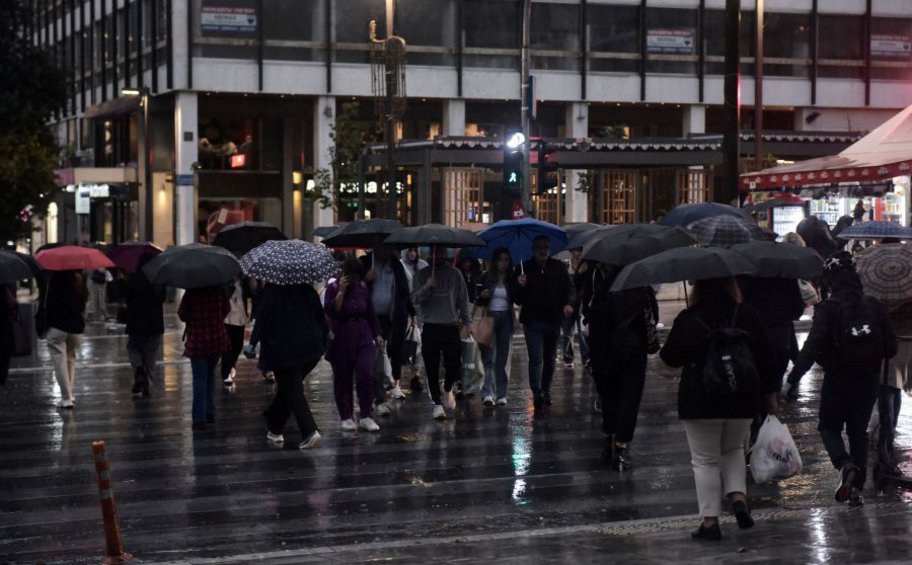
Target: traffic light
{"points": [[547, 168], [512, 168]]}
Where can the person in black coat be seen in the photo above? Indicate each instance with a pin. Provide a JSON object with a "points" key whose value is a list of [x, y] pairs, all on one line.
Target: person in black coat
{"points": [[717, 427], [145, 327], [391, 297], [292, 330], [8, 313]]}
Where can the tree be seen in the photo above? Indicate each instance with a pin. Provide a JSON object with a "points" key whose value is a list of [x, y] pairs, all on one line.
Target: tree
{"points": [[348, 143], [31, 90]]}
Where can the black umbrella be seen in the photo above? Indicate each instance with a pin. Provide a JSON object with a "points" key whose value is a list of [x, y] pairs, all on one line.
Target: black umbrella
{"points": [[194, 265], [575, 229], [686, 214], [783, 260], [326, 231], [12, 268], [683, 264], [628, 243], [363, 233], [32, 264], [244, 236], [722, 231], [434, 234]]}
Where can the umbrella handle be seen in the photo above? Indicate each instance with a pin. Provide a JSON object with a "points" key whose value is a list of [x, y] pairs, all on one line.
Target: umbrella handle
{"points": [[522, 268]]}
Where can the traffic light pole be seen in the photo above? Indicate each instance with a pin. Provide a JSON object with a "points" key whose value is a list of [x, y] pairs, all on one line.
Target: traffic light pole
{"points": [[526, 64]]}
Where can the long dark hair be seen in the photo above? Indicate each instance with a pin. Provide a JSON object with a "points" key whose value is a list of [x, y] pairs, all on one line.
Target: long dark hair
{"points": [[497, 275], [715, 299]]}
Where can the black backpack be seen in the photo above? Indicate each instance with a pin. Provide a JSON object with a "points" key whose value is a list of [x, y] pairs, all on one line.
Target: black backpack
{"points": [[857, 336], [729, 367]]}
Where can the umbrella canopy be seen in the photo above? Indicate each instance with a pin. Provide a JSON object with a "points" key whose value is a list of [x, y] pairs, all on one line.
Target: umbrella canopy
{"points": [[363, 233], [434, 234], [625, 244], [290, 262], [886, 273], [73, 258], [32, 264], [517, 236], [579, 239], [721, 231], [127, 256], [686, 214], [244, 236], [576, 229], [194, 265], [683, 264], [876, 230], [12, 268], [326, 231], [783, 260]]}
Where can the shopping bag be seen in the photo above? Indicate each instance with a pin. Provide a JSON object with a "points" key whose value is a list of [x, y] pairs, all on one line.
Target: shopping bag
{"points": [[482, 327], [383, 369], [808, 293], [774, 454], [412, 343], [473, 373]]}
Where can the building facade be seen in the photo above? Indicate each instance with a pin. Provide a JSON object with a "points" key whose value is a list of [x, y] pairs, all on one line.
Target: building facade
{"points": [[237, 98]]}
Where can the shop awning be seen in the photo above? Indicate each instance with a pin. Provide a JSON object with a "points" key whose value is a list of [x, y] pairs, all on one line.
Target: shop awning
{"points": [[884, 153]]}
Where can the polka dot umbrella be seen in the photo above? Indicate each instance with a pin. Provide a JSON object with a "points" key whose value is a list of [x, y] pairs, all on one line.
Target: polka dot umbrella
{"points": [[289, 262], [886, 273]]}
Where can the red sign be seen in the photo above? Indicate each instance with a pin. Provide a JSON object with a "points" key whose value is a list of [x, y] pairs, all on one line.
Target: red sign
{"points": [[238, 160], [518, 211]]}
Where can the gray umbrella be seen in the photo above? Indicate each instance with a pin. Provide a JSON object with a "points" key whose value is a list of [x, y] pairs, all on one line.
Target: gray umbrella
{"points": [[194, 265], [434, 234], [625, 244], [12, 268], [290, 262], [782, 260], [721, 231], [683, 264], [363, 233]]}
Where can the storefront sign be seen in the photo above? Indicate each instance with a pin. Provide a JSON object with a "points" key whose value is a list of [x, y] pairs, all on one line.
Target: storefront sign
{"points": [[887, 46], [675, 41], [238, 160], [218, 17]]}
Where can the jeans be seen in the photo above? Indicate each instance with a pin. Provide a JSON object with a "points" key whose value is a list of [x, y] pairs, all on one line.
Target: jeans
{"points": [[717, 457], [541, 346], [289, 398], [438, 340], [203, 369], [495, 358], [230, 357], [849, 406], [567, 327], [623, 391], [62, 347]]}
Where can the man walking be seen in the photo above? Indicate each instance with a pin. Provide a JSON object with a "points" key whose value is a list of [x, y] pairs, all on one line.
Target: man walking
{"points": [[546, 294], [850, 338]]}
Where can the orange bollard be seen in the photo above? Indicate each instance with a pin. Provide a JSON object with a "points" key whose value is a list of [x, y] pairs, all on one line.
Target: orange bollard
{"points": [[114, 552]]}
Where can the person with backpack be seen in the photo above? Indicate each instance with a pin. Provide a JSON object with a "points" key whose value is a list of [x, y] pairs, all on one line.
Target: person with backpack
{"points": [[721, 344], [851, 338]]}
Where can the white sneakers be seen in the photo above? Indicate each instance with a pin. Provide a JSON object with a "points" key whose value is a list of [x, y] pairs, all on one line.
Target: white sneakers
{"points": [[66, 404], [369, 425], [439, 413], [502, 401], [310, 442], [397, 393], [230, 380], [274, 438], [488, 400], [449, 400], [382, 409], [347, 425]]}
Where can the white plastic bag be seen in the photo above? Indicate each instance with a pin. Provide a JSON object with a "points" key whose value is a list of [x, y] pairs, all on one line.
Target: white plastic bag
{"points": [[473, 373], [774, 454], [383, 369]]}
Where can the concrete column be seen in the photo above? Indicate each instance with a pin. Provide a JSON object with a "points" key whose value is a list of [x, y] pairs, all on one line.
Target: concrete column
{"points": [[324, 116], [186, 154], [287, 176], [694, 119], [180, 12], [576, 125], [454, 117]]}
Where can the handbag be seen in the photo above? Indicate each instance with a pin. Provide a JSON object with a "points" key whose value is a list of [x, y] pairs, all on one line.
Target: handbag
{"points": [[482, 326]]}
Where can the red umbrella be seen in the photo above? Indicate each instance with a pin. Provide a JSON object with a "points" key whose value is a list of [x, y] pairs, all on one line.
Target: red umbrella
{"points": [[73, 258]]}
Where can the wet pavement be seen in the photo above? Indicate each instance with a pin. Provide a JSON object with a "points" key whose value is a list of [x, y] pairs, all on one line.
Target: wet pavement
{"points": [[502, 484]]}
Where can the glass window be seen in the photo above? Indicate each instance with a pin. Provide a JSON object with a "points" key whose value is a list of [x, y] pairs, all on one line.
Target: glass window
{"points": [[614, 29], [714, 41], [294, 20], [556, 27], [430, 23], [671, 32], [493, 24], [786, 36], [353, 26], [891, 49], [228, 28], [842, 38]]}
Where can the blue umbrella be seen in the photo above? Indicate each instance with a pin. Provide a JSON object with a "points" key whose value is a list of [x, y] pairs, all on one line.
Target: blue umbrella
{"points": [[517, 235], [876, 230], [686, 214]]}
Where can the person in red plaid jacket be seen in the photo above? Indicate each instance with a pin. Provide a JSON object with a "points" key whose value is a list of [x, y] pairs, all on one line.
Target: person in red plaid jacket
{"points": [[203, 310]]}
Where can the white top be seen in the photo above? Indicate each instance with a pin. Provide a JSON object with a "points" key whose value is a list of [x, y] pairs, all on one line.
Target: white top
{"points": [[237, 315], [499, 301]]}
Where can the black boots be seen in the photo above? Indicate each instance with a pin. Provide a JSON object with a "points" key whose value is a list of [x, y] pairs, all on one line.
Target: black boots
{"points": [[141, 382]]}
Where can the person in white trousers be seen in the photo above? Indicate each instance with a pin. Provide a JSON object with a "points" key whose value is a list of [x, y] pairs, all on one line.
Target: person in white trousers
{"points": [[65, 301]]}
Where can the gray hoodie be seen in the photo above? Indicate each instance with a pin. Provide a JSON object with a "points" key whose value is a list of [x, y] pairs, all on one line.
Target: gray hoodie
{"points": [[447, 303]]}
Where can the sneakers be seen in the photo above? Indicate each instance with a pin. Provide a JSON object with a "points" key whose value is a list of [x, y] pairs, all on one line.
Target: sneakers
{"points": [[67, 404], [439, 413], [711, 533], [488, 400], [502, 401], [397, 393], [274, 438], [382, 409], [229, 380], [347, 425], [621, 459], [311, 442], [449, 400], [546, 397], [855, 498], [846, 477], [269, 377], [568, 364], [369, 425]]}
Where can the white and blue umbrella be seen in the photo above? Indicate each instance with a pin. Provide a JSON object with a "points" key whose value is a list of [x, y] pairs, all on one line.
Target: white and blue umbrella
{"points": [[517, 236], [289, 262]]}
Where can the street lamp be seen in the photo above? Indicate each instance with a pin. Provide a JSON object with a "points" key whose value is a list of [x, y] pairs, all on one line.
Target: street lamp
{"points": [[145, 162], [516, 140]]}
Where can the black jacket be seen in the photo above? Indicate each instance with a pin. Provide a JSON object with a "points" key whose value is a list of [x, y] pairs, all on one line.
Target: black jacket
{"points": [[686, 347], [65, 300], [403, 299], [488, 282], [144, 306], [291, 327], [548, 289]]}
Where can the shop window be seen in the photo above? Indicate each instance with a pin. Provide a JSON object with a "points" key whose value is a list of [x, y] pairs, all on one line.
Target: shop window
{"points": [[787, 36], [891, 49], [228, 143], [352, 21], [671, 36], [714, 41], [614, 38], [618, 197], [841, 50], [429, 28], [492, 33], [694, 186], [294, 29], [463, 196], [555, 27]]}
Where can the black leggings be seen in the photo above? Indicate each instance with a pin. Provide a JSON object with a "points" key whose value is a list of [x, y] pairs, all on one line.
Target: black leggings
{"points": [[436, 341], [230, 357]]}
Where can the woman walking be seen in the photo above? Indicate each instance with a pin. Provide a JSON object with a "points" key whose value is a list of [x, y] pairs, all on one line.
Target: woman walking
{"points": [[352, 354], [497, 295], [716, 426], [65, 300], [235, 323], [145, 327], [292, 331], [204, 310]]}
